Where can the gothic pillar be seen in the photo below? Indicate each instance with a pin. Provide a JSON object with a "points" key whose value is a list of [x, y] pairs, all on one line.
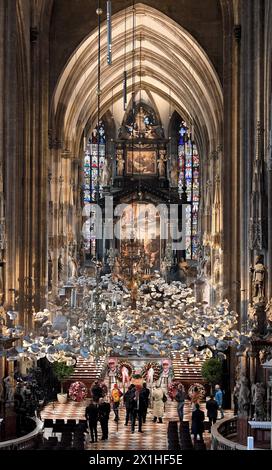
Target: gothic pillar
{"points": [[230, 162], [10, 147], [247, 146], [252, 366]]}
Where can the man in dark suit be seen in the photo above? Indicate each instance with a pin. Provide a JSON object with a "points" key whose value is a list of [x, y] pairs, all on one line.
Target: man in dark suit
{"points": [[128, 397], [137, 409], [198, 417], [91, 414], [103, 416], [144, 394], [97, 391], [212, 408]]}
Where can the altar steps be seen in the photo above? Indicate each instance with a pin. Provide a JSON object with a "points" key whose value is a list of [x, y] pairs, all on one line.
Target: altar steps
{"points": [[187, 372]]}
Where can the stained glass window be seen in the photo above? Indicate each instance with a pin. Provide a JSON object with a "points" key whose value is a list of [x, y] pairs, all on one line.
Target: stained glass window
{"points": [[92, 170], [188, 168]]}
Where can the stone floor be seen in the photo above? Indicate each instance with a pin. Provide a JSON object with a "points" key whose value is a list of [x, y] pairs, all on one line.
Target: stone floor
{"points": [[154, 436]]}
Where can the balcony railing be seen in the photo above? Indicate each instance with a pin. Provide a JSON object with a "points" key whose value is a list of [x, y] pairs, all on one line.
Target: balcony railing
{"points": [[26, 442], [221, 432]]}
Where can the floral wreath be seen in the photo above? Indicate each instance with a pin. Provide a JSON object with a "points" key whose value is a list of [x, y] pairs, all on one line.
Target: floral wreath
{"points": [[201, 390], [119, 369], [78, 391], [173, 388], [157, 370]]}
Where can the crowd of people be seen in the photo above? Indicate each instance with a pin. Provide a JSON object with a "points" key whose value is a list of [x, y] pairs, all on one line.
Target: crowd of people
{"points": [[213, 405], [137, 400]]}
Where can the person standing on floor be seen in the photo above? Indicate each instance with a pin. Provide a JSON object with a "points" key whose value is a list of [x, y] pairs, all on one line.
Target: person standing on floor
{"points": [[198, 417], [128, 400], [219, 399], [180, 398], [144, 396], [103, 416], [212, 408], [137, 411], [91, 415], [158, 403], [116, 395], [97, 391]]}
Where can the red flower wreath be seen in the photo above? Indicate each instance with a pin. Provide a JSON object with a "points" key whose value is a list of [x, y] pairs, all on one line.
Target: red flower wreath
{"points": [[173, 388], [78, 391], [157, 370], [119, 369]]}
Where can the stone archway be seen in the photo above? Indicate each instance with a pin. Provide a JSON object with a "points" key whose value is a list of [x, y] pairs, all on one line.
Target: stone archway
{"points": [[168, 63]]}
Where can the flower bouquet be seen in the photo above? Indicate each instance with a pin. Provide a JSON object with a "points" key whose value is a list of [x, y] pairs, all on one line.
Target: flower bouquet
{"points": [[78, 391]]}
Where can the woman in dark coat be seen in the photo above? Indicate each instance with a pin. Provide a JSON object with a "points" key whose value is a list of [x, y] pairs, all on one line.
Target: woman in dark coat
{"points": [[198, 417]]}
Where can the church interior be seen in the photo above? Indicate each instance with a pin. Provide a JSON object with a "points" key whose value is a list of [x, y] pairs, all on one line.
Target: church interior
{"points": [[135, 224]]}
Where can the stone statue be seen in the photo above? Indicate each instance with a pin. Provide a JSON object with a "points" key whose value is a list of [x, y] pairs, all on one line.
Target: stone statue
{"points": [[258, 274], [60, 268], [9, 392], [72, 267], [50, 270], [243, 397], [268, 310], [105, 176], [174, 172], [120, 163], [252, 317], [236, 391], [258, 398], [216, 270], [161, 163]]}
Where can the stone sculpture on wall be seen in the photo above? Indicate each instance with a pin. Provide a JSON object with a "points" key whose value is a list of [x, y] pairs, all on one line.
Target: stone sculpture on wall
{"points": [[258, 400], [243, 397], [268, 311], [258, 277], [120, 163], [161, 163], [106, 174], [60, 268]]}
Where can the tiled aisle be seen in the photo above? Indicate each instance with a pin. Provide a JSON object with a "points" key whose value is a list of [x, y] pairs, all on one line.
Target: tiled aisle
{"points": [[120, 438]]}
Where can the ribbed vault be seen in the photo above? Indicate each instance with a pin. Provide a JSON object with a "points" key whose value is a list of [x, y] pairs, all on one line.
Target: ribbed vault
{"points": [[167, 62]]}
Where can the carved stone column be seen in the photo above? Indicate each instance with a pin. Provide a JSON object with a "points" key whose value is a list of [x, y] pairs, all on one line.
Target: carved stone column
{"points": [[247, 144], [252, 366]]}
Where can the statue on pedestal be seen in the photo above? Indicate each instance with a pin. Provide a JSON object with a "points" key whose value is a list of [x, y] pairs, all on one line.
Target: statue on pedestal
{"points": [[268, 310], [161, 163], [9, 391], [252, 317], [60, 268], [243, 397], [120, 163], [258, 398], [258, 275], [106, 173], [72, 266]]}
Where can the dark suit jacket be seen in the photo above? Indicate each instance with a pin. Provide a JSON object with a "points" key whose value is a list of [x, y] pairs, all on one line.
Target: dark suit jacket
{"points": [[91, 413], [198, 417], [212, 407]]}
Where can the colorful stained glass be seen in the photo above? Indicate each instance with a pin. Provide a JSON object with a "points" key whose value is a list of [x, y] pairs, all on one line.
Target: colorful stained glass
{"points": [[92, 170], [188, 167]]}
